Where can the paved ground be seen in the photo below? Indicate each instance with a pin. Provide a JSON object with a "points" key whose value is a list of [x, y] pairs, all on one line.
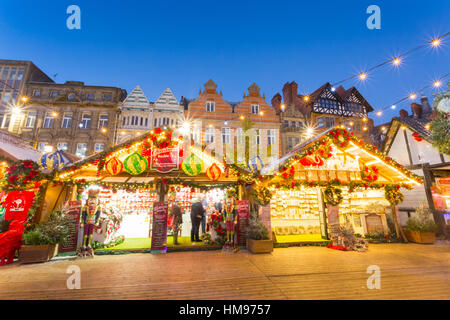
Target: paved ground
{"points": [[408, 271]]}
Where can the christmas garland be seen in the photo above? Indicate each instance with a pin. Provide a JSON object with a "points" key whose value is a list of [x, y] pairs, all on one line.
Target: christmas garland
{"points": [[262, 195], [332, 196], [393, 194], [369, 174]]}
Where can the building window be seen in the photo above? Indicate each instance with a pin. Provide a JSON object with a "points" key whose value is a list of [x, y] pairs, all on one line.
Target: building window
{"points": [[71, 97], [67, 121], [257, 137], [2, 117], [300, 124], [209, 135], [226, 136], [255, 109], [294, 124], [210, 106], [155, 122], [99, 147], [142, 122], [41, 146], [31, 119], [36, 93], [124, 120], [90, 96], [271, 137], [6, 97], [81, 150], [103, 121], [107, 96], [6, 122], [62, 146], [286, 124], [146, 122], [53, 94], [85, 121], [48, 121], [325, 122]]}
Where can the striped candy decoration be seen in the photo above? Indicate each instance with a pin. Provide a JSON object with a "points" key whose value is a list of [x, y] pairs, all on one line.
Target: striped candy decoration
{"points": [[52, 160], [135, 164], [192, 165], [214, 172], [114, 166]]}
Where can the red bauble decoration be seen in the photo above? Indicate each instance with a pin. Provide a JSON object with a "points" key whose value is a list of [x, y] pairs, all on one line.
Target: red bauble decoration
{"points": [[214, 172]]}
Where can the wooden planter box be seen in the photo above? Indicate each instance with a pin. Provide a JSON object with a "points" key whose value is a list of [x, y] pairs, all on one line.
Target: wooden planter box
{"points": [[259, 246], [42, 253], [420, 237]]}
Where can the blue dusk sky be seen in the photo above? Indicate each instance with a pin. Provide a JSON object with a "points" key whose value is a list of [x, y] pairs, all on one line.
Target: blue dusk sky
{"points": [[182, 44]]}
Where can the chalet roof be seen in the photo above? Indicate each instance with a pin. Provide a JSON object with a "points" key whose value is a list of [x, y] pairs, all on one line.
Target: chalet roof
{"points": [[415, 124], [14, 148], [391, 171]]}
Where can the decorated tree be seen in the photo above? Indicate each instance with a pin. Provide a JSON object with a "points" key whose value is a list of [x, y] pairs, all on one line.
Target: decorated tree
{"points": [[440, 126]]}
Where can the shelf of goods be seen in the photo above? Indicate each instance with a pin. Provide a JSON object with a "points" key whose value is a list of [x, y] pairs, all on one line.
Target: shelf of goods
{"points": [[295, 212]]}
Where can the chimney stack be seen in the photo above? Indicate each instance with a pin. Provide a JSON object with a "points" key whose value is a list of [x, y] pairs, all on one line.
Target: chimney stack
{"points": [[426, 109], [403, 113], [416, 110]]}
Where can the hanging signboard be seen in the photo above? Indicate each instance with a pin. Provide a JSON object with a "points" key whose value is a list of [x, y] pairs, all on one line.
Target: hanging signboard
{"points": [[72, 209], [164, 160], [264, 215], [159, 227], [242, 222]]}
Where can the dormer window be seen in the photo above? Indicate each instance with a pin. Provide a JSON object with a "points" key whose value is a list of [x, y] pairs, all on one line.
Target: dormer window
{"points": [[210, 106]]}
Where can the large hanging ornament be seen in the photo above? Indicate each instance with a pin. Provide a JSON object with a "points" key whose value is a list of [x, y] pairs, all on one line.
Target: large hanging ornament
{"points": [[192, 165], [114, 166], [135, 164], [52, 160], [214, 172], [255, 164]]}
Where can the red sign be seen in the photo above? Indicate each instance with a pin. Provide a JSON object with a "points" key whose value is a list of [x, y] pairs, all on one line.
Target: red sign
{"points": [[243, 209], [159, 227], [164, 160], [17, 205]]}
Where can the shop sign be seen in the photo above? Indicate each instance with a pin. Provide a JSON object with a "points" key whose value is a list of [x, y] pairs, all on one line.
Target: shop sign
{"points": [[159, 227], [72, 209], [264, 215], [242, 223], [17, 205], [164, 160]]}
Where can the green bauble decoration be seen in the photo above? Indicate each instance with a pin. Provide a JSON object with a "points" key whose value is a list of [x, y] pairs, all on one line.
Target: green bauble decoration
{"points": [[192, 165], [135, 164]]}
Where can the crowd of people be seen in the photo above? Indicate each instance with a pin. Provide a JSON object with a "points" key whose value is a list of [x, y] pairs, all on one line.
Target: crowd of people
{"points": [[199, 212]]}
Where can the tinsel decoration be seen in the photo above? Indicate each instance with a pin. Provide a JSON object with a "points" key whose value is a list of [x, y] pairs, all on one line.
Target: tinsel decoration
{"points": [[135, 164]]}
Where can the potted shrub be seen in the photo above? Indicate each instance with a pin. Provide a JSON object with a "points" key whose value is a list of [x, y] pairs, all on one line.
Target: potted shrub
{"points": [[41, 242], [421, 228], [258, 239]]}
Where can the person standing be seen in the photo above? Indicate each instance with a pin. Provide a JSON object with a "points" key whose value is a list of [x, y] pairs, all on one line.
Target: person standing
{"points": [[197, 214], [205, 207], [177, 221]]}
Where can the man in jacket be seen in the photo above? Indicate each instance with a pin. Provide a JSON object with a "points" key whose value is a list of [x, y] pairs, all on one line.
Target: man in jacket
{"points": [[197, 213]]}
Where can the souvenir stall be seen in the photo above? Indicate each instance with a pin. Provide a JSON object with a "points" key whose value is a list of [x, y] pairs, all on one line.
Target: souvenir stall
{"points": [[333, 179], [133, 176]]}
